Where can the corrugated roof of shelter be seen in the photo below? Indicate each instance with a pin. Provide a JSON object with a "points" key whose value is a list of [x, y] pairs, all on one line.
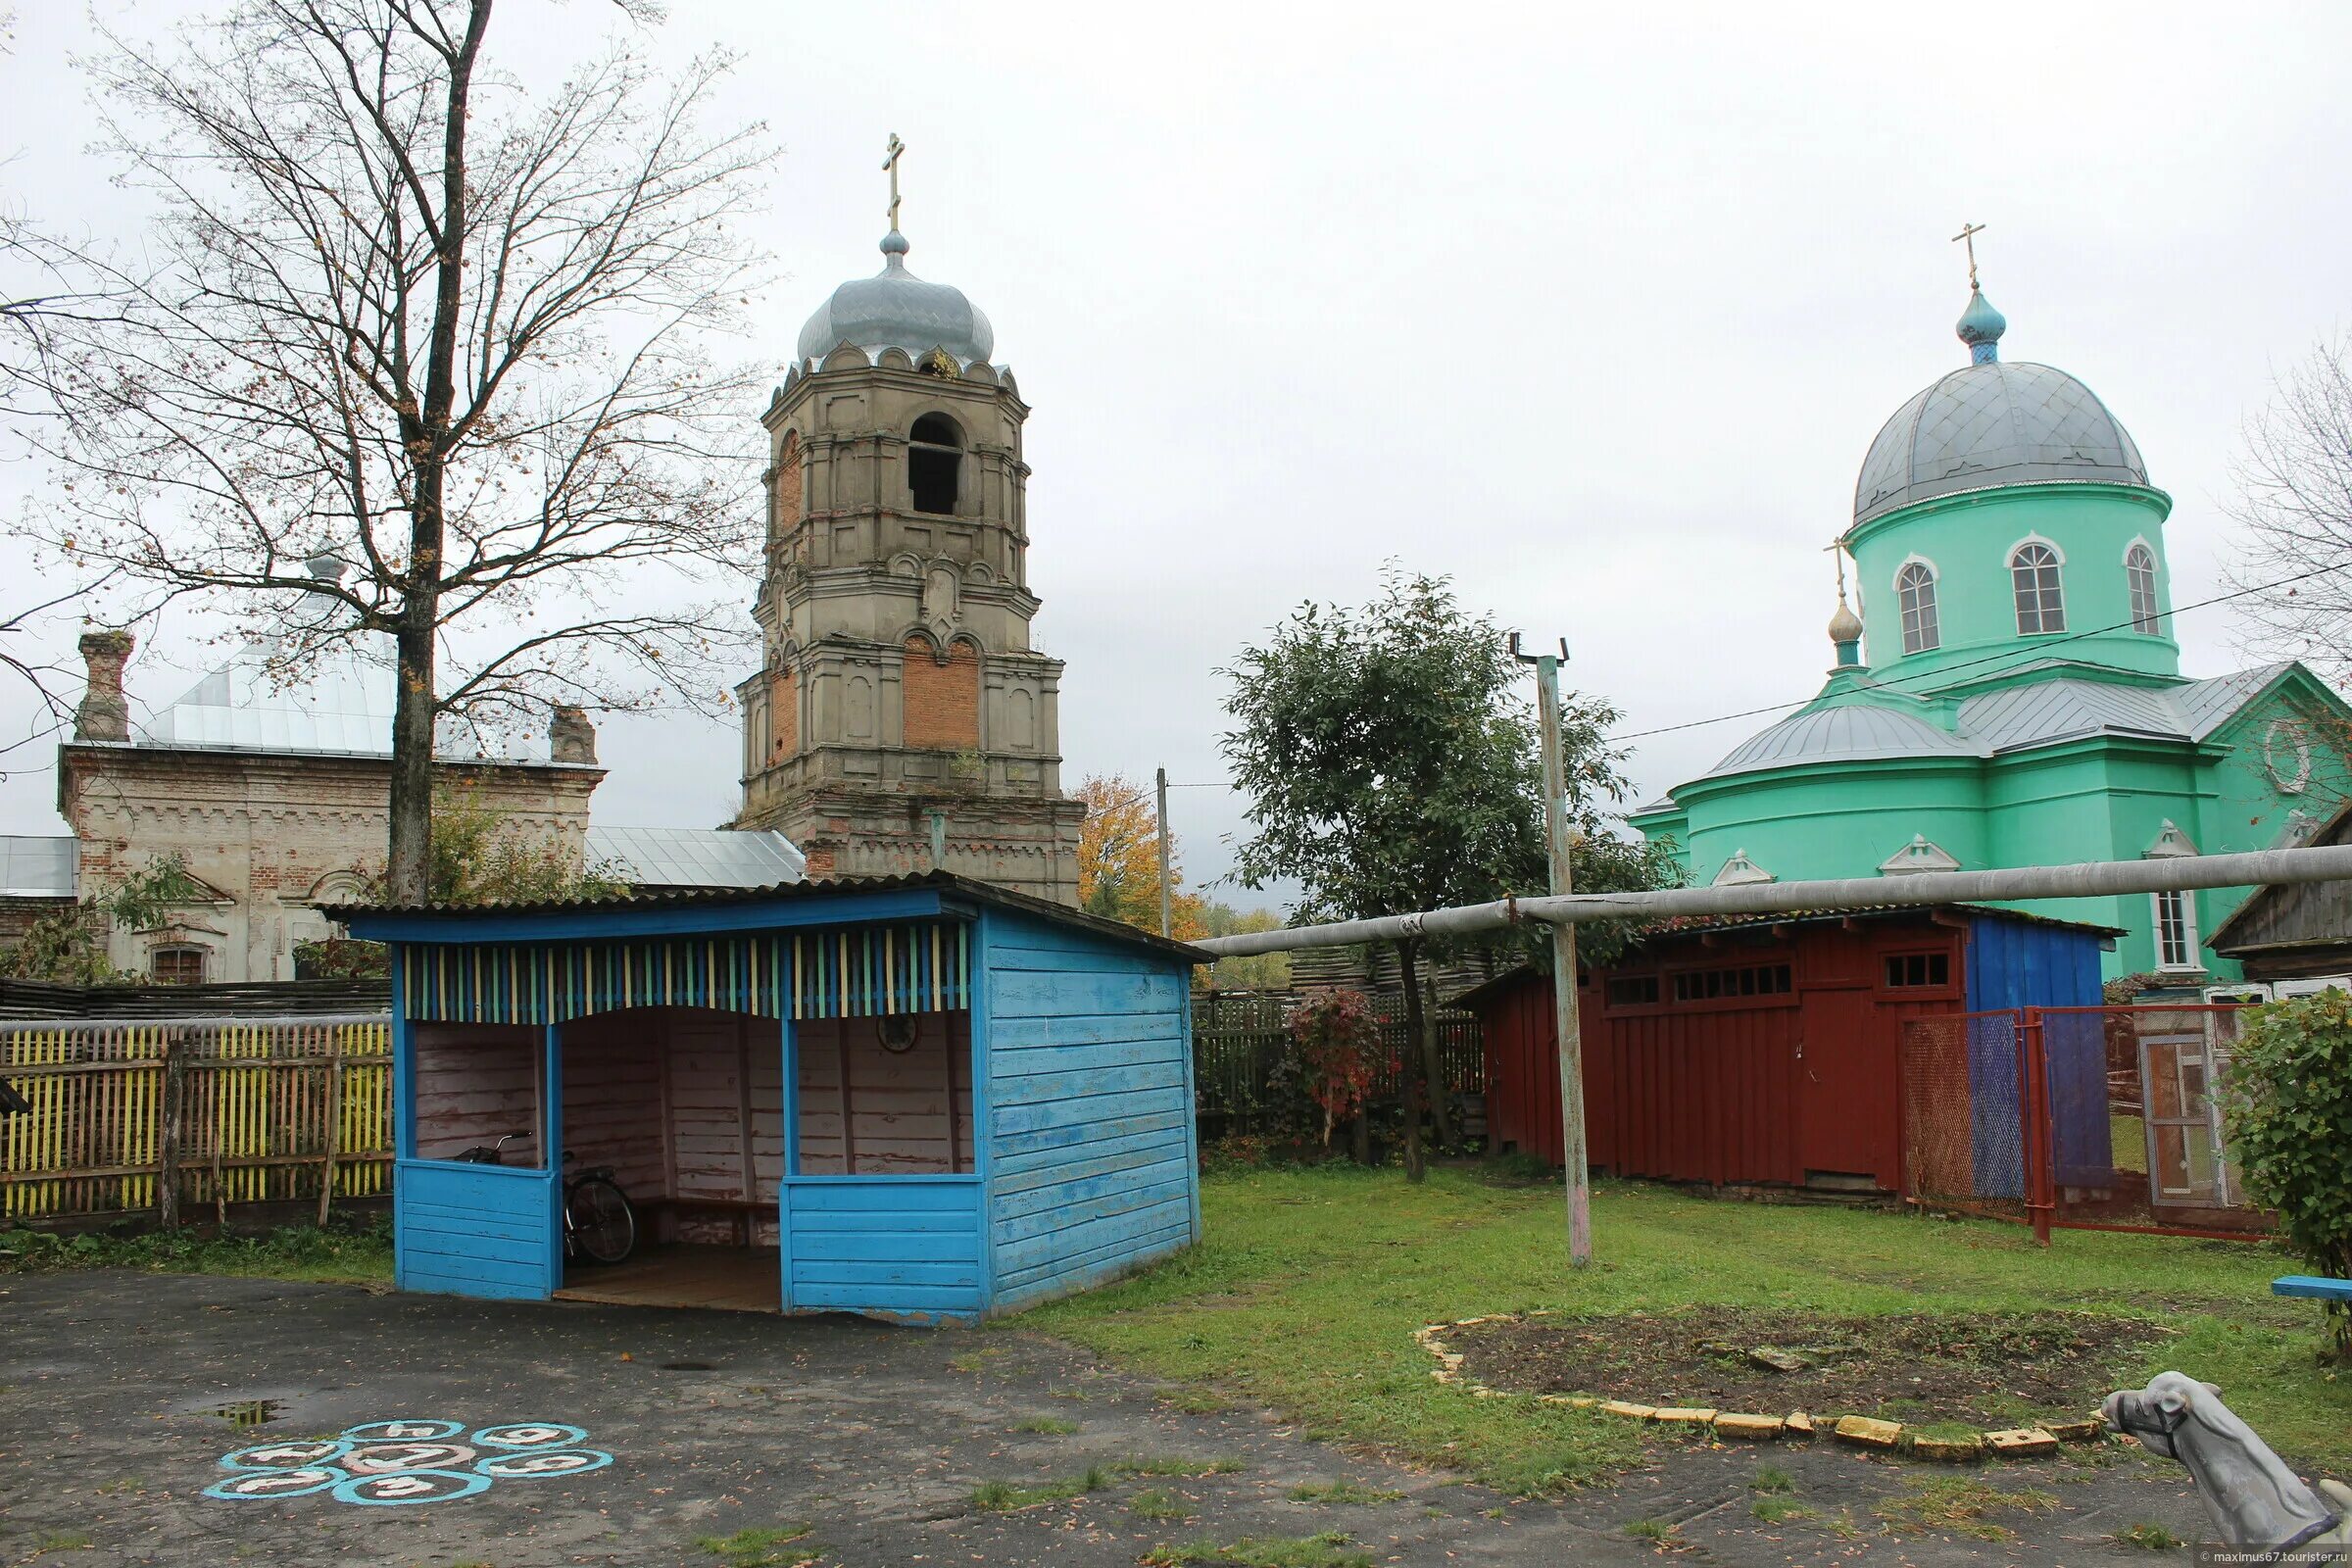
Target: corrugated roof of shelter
{"points": [[42, 866], [697, 857], [946, 882]]}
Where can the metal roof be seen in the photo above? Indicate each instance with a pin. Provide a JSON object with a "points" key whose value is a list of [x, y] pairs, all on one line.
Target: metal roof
{"points": [[1995, 423], [46, 866], [945, 882], [340, 705], [897, 310], [2006, 719], [696, 857], [1851, 732]]}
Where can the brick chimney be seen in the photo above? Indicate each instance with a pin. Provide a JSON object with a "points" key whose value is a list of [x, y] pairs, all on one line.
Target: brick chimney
{"points": [[105, 712], [570, 738]]}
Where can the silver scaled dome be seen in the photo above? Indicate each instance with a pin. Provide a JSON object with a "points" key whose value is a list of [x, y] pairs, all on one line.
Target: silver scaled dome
{"points": [[897, 310], [1994, 423]]}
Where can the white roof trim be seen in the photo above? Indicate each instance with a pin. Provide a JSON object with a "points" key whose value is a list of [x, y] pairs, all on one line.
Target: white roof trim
{"points": [[1918, 856], [1740, 871]]}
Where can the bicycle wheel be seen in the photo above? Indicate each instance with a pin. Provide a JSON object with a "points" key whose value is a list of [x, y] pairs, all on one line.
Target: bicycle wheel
{"points": [[604, 1227]]}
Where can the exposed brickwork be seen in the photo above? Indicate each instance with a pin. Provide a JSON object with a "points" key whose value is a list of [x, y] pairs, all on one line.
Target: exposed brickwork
{"points": [[942, 701]]}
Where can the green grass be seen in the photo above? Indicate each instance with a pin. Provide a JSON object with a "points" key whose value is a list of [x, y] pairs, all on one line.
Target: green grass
{"points": [[1656, 1532], [1344, 1491], [1772, 1477], [62, 1541], [1329, 1550], [1958, 1505], [1306, 1290], [341, 1253], [1779, 1510], [2147, 1538], [1158, 1504], [1004, 1497], [763, 1548], [1048, 1424]]}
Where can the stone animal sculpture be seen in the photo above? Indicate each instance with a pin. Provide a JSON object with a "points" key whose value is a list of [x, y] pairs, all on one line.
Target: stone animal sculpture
{"points": [[2254, 1498]]}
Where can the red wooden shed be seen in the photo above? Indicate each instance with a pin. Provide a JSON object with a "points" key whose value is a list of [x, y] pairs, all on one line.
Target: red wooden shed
{"points": [[1764, 1049]]}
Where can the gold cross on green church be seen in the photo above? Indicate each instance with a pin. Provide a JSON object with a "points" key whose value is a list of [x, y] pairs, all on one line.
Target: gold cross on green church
{"points": [[1967, 235]]}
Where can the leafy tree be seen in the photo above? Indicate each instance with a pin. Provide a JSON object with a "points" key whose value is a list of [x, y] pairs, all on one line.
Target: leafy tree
{"points": [[482, 855], [69, 945], [1119, 862], [1336, 1042], [1392, 762], [2287, 1107], [1262, 971], [416, 353]]}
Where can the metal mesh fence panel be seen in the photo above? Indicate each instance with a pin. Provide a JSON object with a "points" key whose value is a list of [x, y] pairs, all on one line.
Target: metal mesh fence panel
{"points": [[1963, 1146]]}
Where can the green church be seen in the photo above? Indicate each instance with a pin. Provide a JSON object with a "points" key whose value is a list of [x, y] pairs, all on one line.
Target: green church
{"points": [[2022, 701]]}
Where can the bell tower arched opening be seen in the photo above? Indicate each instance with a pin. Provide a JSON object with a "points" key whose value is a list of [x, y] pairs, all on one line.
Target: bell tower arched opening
{"points": [[933, 463]]}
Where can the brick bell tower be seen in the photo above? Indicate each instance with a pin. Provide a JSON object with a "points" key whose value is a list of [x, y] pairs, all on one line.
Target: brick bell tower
{"points": [[900, 720]]}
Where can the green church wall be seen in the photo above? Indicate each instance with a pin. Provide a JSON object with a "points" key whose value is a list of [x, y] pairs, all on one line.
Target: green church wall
{"points": [[1968, 540]]}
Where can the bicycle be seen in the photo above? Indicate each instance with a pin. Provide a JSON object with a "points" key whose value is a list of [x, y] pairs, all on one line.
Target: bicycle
{"points": [[599, 1223]]}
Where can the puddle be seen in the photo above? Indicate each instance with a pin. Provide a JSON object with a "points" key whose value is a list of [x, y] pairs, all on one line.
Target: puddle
{"points": [[244, 1413], [687, 1366]]}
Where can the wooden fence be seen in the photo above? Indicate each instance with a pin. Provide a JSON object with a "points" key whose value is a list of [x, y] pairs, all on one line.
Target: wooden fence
{"points": [[1238, 1040], [177, 1116]]}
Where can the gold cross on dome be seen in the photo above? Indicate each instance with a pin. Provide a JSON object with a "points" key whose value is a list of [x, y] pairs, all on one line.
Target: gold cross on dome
{"points": [[1966, 236], [891, 164]]}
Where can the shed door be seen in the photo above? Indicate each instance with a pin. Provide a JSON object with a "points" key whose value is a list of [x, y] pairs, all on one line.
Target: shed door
{"points": [[1846, 1095]]}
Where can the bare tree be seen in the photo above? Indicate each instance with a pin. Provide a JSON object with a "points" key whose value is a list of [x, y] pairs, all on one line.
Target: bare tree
{"points": [[2294, 499], [417, 353]]}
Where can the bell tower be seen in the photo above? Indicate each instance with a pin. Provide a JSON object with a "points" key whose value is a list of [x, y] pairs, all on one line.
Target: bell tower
{"points": [[900, 720]]}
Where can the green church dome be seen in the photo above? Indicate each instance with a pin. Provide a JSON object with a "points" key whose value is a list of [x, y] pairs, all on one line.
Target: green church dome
{"points": [[1991, 425]]}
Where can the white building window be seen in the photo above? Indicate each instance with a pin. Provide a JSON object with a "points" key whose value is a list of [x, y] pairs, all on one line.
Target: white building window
{"points": [[1915, 586], [176, 965], [2176, 931], [2139, 572], [2040, 600]]}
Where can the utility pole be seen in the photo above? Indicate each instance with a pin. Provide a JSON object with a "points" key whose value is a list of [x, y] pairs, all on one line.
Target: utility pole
{"points": [[1165, 924], [1565, 1024]]}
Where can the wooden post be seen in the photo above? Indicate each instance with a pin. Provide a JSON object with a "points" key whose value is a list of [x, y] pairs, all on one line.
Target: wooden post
{"points": [[175, 1107], [1163, 821], [334, 1120], [2041, 1196], [1565, 1024]]}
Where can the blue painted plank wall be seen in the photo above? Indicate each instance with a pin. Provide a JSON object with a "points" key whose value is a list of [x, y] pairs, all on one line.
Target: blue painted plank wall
{"points": [[894, 1245], [1090, 1158], [2013, 964], [473, 1229]]}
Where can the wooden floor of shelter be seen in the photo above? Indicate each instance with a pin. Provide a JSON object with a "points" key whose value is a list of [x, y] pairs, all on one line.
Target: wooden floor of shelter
{"points": [[732, 1279]]}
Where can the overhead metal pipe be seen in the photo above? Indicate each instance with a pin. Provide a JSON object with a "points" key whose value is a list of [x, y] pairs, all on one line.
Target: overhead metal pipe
{"points": [[2090, 879]]}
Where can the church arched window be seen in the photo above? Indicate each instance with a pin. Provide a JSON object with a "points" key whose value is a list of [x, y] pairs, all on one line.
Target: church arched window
{"points": [[1915, 587], [2040, 600], [2139, 573], [933, 463]]}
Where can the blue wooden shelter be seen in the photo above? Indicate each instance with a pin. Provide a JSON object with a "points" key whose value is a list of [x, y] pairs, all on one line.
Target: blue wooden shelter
{"points": [[917, 1097]]}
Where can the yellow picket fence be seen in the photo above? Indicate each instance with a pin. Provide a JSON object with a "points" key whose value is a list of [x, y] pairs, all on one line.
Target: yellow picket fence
{"points": [[184, 1116]]}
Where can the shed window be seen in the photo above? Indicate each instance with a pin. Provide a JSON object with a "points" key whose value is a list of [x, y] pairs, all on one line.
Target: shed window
{"points": [[176, 967], [2139, 573], [1746, 980], [1915, 971], [933, 463], [2175, 930], [1634, 990], [2040, 600], [1915, 586]]}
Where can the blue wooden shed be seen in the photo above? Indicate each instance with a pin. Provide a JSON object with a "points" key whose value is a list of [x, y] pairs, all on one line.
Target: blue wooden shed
{"points": [[917, 1097]]}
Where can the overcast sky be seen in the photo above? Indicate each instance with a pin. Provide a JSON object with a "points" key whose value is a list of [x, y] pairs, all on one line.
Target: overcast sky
{"points": [[1595, 310]]}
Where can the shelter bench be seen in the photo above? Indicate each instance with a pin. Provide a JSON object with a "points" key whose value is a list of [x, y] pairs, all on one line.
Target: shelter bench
{"points": [[2318, 1287], [744, 1212]]}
